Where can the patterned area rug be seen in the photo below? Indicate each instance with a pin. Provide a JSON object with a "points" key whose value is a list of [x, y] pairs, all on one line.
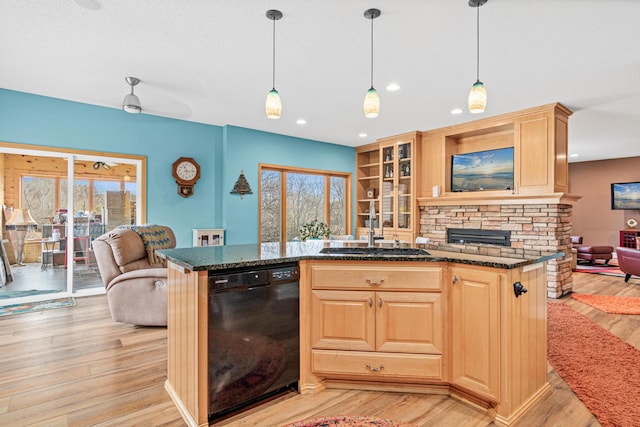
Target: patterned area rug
{"points": [[348, 421], [610, 303], [36, 306], [610, 269], [599, 367]]}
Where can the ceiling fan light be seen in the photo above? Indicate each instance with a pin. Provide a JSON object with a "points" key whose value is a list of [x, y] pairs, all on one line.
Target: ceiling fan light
{"points": [[273, 106], [477, 98], [131, 104], [371, 104]]}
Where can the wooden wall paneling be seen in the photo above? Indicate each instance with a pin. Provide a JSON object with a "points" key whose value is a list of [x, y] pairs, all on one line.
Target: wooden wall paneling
{"points": [[561, 165], [187, 341]]}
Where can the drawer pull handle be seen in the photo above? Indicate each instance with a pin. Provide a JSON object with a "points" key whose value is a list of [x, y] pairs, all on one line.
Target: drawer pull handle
{"points": [[375, 282], [370, 302], [380, 302], [372, 369]]}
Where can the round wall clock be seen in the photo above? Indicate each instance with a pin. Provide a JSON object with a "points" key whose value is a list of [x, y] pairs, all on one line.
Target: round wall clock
{"points": [[186, 172]]}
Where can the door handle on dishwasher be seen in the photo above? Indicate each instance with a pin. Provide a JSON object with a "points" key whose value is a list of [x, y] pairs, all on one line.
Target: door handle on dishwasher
{"points": [[218, 281]]}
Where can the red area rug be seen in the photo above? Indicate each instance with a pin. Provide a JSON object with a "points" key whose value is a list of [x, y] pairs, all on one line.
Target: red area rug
{"points": [[348, 421], [599, 367], [610, 303]]}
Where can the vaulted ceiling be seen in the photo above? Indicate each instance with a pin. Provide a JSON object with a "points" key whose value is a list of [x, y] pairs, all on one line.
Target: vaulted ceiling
{"points": [[211, 62]]}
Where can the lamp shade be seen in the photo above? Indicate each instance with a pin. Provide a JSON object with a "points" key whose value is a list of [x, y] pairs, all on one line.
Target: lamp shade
{"points": [[371, 104], [273, 105], [477, 98], [21, 219]]}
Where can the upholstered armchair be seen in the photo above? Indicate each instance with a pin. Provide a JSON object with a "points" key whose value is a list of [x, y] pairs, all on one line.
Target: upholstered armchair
{"points": [[136, 282], [629, 262]]}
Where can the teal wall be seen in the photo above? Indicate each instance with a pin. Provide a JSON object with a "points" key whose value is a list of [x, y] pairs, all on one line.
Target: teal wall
{"points": [[222, 153], [245, 148]]}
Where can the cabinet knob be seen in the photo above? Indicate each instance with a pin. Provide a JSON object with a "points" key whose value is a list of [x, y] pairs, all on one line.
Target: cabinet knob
{"points": [[372, 369], [380, 302], [370, 302], [454, 278], [375, 282]]}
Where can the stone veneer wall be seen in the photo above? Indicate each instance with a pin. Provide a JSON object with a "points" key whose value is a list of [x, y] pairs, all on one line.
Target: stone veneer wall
{"points": [[535, 229]]}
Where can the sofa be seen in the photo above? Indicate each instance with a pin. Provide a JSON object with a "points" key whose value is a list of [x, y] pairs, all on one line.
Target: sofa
{"points": [[629, 262], [135, 281]]}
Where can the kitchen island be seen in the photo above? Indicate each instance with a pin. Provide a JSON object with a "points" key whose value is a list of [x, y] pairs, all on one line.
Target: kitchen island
{"points": [[465, 325]]}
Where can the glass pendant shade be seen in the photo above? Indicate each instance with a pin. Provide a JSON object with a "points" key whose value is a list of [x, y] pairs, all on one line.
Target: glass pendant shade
{"points": [[477, 98], [131, 104], [273, 105], [371, 104]]}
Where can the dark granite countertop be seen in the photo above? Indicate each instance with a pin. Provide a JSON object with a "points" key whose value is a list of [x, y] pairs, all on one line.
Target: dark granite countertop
{"points": [[254, 255]]}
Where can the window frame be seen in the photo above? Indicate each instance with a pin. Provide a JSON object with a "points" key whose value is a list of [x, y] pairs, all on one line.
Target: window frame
{"points": [[327, 174]]}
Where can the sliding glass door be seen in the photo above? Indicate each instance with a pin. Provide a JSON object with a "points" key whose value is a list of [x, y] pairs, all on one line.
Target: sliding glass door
{"points": [[56, 252]]}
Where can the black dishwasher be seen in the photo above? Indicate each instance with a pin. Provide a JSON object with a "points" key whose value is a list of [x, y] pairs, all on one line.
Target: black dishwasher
{"points": [[254, 349]]}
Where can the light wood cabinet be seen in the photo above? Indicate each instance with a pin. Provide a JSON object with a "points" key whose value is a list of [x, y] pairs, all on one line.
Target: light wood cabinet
{"points": [[388, 175], [447, 327], [539, 137], [475, 331], [381, 320]]}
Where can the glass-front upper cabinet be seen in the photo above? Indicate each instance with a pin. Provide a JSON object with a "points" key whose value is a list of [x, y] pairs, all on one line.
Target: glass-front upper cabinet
{"points": [[398, 187]]}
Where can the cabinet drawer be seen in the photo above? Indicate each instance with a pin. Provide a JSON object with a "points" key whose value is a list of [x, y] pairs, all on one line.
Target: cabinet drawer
{"points": [[399, 276], [377, 365]]}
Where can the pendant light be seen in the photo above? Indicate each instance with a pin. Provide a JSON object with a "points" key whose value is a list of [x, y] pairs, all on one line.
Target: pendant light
{"points": [[273, 106], [131, 103], [478, 93], [371, 99]]}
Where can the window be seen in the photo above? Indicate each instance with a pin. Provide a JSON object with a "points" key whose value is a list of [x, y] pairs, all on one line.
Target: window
{"points": [[38, 195], [294, 197]]}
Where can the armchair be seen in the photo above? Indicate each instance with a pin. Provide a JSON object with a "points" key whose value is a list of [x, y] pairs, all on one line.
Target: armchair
{"points": [[136, 287], [629, 262]]}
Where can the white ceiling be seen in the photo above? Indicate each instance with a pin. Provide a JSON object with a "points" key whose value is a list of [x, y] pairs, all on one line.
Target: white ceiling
{"points": [[209, 61]]}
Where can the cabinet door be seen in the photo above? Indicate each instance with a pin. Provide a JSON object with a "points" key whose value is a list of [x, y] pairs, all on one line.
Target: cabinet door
{"points": [[475, 331], [343, 320], [409, 322]]}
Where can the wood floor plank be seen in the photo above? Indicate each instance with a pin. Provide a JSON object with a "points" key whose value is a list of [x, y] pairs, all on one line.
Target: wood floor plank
{"points": [[76, 367]]}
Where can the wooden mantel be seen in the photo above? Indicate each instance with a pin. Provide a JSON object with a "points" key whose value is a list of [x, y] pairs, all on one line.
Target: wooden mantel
{"points": [[497, 198]]}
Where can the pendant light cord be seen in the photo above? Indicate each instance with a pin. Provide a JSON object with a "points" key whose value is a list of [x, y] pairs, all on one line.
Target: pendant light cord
{"points": [[371, 51], [273, 85], [478, 42]]}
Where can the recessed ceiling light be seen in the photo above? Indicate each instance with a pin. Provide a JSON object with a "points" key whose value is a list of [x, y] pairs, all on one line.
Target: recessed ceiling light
{"points": [[362, 135], [456, 111], [392, 87], [574, 155], [301, 121]]}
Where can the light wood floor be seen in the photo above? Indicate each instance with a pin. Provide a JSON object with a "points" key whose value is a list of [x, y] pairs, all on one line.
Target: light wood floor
{"points": [[76, 367]]}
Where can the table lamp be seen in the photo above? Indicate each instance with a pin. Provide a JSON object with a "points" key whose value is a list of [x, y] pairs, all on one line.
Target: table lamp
{"points": [[18, 225]]}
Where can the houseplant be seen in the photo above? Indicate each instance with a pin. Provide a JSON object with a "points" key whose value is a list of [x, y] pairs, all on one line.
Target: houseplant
{"points": [[314, 230]]}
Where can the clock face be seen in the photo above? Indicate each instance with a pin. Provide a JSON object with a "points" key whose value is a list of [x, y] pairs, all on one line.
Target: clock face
{"points": [[186, 171]]}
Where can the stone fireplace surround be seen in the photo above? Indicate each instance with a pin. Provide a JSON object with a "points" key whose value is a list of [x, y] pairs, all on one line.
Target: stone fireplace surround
{"points": [[535, 229]]}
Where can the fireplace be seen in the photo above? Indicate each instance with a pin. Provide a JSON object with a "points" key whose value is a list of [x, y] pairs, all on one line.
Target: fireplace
{"points": [[487, 237]]}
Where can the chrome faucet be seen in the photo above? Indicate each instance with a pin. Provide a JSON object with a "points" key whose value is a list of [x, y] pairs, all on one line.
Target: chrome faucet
{"points": [[372, 217]]}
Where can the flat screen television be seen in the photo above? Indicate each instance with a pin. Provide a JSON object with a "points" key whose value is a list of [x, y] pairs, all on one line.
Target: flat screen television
{"points": [[625, 195], [482, 170]]}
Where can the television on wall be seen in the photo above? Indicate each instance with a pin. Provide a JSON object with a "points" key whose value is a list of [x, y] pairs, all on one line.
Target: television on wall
{"points": [[625, 195], [482, 170]]}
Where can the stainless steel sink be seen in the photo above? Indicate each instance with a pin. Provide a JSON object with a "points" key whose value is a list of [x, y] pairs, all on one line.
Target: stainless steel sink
{"points": [[373, 251]]}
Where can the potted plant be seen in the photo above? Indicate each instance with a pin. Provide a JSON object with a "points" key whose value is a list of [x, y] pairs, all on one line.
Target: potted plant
{"points": [[314, 230]]}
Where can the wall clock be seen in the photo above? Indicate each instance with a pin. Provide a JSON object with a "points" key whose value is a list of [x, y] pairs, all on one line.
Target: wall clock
{"points": [[186, 172]]}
